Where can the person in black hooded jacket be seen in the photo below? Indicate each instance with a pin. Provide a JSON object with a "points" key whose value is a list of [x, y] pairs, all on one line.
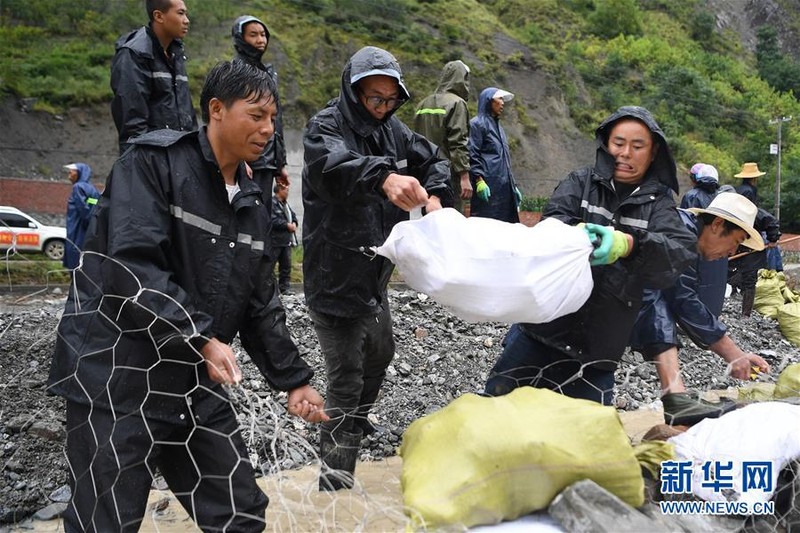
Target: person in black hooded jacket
{"points": [[174, 269], [628, 194], [364, 170], [250, 40], [148, 75]]}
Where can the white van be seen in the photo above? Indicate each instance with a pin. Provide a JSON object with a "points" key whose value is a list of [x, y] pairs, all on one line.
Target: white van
{"points": [[23, 233]]}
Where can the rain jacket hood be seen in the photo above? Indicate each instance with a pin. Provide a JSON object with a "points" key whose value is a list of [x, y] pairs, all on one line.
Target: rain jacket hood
{"points": [[485, 102], [244, 48], [663, 166], [369, 61], [707, 183], [455, 79], [84, 173]]}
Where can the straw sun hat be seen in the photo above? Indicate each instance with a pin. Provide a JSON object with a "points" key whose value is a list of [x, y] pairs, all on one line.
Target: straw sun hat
{"points": [[749, 170], [737, 209]]}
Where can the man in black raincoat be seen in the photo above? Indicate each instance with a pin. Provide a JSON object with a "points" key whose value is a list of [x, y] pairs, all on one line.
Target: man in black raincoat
{"points": [[627, 197], [743, 272], [148, 75], [364, 171], [174, 268]]}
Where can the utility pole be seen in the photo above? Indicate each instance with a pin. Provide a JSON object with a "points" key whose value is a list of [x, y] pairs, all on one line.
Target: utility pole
{"points": [[779, 122]]}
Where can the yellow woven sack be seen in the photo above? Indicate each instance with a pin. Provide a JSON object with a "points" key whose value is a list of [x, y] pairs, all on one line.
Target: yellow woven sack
{"points": [[769, 296], [788, 385], [789, 321], [482, 460], [789, 295], [756, 392]]}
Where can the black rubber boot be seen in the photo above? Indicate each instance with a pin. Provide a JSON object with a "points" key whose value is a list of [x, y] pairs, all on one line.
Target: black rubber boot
{"points": [[748, 297], [687, 409], [338, 451]]}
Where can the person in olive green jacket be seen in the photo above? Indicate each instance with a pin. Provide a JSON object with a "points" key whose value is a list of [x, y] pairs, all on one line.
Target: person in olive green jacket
{"points": [[443, 118]]}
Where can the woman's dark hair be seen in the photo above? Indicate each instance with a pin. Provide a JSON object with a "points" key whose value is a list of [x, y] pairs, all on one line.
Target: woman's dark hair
{"points": [[230, 81]]}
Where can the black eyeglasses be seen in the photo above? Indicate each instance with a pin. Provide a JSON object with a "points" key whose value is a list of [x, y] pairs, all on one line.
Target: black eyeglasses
{"points": [[376, 101]]}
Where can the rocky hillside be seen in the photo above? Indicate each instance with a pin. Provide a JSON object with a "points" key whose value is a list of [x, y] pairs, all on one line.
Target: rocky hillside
{"points": [[523, 46]]}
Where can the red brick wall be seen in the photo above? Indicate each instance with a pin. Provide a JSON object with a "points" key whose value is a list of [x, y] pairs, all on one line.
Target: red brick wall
{"points": [[37, 196]]}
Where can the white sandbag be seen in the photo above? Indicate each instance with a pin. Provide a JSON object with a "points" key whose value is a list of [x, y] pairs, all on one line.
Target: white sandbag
{"points": [[488, 270], [766, 431]]}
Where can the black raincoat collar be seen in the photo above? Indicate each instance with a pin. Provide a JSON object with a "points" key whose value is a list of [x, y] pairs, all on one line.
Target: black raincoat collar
{"points": [[208, 154]]}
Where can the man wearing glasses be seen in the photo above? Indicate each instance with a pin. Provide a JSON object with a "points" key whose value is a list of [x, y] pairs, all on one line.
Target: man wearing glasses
{"points": [[364, 171]]}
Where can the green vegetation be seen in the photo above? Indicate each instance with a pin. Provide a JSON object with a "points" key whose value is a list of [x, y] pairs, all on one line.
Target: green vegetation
{"points": [[713, 98], [31, 269], [533, 203]]}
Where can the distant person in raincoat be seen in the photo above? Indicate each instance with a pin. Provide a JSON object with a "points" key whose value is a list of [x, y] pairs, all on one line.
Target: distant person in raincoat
{"points": [[250, 40], [743, 272], [495, 192], [705, 181], [79, 211], [712, 276], [443, 119]]}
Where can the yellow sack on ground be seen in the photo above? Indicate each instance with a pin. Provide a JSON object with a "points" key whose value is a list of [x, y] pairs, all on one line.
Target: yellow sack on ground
{"points": [[789, 295], [756, 392], [651, 453], [769, 296], [789, 321], [482, 460], [788, 385]]}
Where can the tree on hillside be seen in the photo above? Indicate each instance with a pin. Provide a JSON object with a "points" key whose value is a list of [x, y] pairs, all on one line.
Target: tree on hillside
{"points": [[780, 71], [615, 17]]}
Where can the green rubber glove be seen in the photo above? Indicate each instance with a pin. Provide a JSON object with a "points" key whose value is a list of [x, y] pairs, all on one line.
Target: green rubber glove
{"points": [[519, 195], [613, 244], [482, 190]]}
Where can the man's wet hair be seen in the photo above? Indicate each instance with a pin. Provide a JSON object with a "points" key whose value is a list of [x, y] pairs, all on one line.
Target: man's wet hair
{"points": [[707, 218], [157, 5], [234, 80]]}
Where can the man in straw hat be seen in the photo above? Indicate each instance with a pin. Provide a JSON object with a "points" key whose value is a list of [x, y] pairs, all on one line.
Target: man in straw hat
{"points": [[749, 175], [724, 225], [743, 272]]}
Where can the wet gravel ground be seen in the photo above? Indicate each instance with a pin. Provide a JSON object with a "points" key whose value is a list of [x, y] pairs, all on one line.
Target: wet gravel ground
{"points": [[439, 357]]}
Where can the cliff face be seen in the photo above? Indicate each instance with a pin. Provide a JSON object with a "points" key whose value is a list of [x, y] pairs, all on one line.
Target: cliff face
{"points": [[746, 16]]}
